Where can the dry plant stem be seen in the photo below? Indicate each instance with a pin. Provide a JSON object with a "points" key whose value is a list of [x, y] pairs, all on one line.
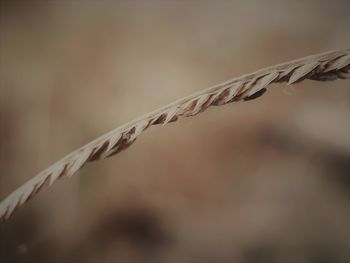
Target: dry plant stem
{"points": [[322, 67]]}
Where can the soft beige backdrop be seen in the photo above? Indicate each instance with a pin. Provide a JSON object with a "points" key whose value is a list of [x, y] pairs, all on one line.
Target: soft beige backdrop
{"points": [[261, 181]]}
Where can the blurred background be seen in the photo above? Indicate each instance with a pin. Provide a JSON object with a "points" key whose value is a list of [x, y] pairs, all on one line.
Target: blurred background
{"points": [[260, 181]]}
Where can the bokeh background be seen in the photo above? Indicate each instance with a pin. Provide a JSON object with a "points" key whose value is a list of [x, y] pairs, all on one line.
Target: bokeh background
{"points": [[260, 181]]}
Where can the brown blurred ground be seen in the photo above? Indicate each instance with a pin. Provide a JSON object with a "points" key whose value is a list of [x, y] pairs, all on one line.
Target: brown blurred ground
{"points": [[262, 181]]}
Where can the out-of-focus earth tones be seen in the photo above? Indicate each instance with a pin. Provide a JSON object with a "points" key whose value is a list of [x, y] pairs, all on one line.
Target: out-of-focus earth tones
{"points": [[249, 182]]}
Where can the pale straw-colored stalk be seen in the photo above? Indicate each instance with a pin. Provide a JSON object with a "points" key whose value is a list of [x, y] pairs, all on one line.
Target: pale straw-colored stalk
{"points": [[322, 67]]}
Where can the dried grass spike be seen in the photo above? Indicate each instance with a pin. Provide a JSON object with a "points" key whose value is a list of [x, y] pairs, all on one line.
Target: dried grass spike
{"points": [[327, 66]]}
